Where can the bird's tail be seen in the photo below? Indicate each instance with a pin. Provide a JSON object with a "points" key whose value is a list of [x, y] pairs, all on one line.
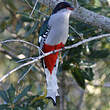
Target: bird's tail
{"points": [[52, 86], [51, 66]]}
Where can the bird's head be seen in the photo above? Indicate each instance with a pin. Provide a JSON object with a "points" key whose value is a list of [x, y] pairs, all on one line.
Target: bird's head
{"points": [[62, 7]]}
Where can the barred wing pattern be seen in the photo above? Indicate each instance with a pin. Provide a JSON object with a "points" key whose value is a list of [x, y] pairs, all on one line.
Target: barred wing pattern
{"points": [[43, 34]]}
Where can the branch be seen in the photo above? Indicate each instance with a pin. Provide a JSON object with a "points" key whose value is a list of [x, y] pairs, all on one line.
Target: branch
{"points": [[8, 53], [74, 30], [26, 73], [92, 18], [106, 84], [51, 52], [34, 8], [84, 15], [28, 4], [22, 41]]}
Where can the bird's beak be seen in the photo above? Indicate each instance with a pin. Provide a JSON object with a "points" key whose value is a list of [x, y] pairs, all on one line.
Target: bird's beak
{"points": [[70, 8]]}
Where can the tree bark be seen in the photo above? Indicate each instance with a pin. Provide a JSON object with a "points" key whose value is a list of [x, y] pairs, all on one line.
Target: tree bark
{"points": [[92, 18], [84, 15]]}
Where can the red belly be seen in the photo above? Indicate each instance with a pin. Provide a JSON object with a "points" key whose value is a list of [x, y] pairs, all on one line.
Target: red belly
{"points": [[50, 60]]}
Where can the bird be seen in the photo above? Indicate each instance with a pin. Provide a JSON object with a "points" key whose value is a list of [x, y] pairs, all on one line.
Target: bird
{"points": [[53, 35]]}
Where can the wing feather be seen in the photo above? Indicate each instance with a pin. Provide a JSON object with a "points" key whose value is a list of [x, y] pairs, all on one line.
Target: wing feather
{"points": [[43, 36]]}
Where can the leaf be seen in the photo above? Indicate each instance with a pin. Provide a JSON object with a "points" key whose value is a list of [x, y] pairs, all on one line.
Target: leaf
{"points": [[20, 108], [11, 4], [25, 18], [76, 72], [39, 103], [99, 54], [4, 107], [11, 93], [31, 30], [22, 94], [88, 74], [18, 26], [4, 96], [4, 23], [44, 27]]}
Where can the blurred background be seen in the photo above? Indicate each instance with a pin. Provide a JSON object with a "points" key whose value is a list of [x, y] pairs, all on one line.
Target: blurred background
{"points": [[84, 76]]}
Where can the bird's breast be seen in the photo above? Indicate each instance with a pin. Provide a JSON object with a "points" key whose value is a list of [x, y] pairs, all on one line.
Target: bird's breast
{"points": [[59, 24], [57, 36], [58, 32]]}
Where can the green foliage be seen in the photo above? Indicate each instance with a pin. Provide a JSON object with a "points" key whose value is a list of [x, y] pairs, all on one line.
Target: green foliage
{"points": [[31, 30], [97, 54], [22, 101], [88, 74], [78, 63], [22, 94], [82, 75], [79, 77]]}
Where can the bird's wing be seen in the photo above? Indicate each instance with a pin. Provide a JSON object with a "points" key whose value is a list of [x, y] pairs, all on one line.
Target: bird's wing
{"points": [[44, 30], [43, 33]]}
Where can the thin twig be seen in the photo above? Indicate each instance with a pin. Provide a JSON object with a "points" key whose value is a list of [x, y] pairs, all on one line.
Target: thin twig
{"points": [[87, 40], [25, 73], [28, 3], [51, 52], [34, 8], [22, 41], [79, 34], [25, 59], [8, 53]]}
